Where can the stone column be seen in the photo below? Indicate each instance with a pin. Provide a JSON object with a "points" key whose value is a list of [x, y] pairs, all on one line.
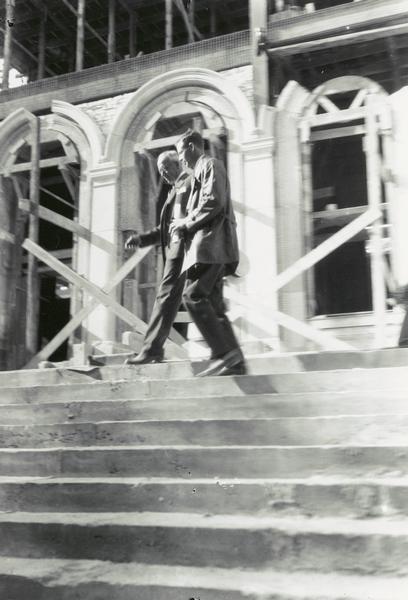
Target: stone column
{"points": [[8, 216], [97, 264], [399, 192], [290, 214], [259, 239]]}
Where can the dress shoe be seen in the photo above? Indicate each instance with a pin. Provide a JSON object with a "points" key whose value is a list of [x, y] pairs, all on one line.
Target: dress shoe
{"points": [[144, 359], [226, 365], [238, 369]]}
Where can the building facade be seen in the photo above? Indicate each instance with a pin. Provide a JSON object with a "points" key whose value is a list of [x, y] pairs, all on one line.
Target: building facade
{"points": [[308, 109]]}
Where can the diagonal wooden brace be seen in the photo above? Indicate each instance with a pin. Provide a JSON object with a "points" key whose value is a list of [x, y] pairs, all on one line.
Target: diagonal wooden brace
{"points": [[53, 217], [321, 338], [326, 247], [85, 285], [100, 296]]}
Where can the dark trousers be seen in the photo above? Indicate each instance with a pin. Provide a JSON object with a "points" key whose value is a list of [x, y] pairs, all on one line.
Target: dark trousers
{"points": [[167, 303], [203, 298], [403, 338]]}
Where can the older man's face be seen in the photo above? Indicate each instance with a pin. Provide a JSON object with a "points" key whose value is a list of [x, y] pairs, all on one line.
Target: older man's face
{"points": [[169, 170]]}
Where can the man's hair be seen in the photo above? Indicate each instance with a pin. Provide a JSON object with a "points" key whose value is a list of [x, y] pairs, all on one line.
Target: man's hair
{"points": [[191, 136], [168, 156]]}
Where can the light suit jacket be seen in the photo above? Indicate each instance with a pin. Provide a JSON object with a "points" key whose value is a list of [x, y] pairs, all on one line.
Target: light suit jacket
{"points": [[211, 226]]}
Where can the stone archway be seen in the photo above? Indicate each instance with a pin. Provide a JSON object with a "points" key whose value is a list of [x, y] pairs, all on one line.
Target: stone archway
{"points": [[81, 141], [201, 86], [12, 136], [228, 97], [133, 123], [208, 91], [342, 100], [250, 151]]}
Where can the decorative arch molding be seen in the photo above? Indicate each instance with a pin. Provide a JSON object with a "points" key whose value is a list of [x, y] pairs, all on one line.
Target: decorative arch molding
{"points": [[163, 85], [297, 100], [348, 83], [14, 131], [203, 100], [85, 124], [293, 98], [61, 127]]}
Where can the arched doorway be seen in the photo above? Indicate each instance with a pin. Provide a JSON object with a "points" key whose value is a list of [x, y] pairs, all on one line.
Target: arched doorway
{"points": [[150, 123], [64, 157], [340, 140]]}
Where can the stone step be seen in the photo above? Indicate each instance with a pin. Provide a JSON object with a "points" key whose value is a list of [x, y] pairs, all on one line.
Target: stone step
{"points": [[251, 406], [289, 431], [314, 497], [361, 380], [67, 375], [368, 546], [59, 579], [273, 363], [175, 369], [199, 461]]}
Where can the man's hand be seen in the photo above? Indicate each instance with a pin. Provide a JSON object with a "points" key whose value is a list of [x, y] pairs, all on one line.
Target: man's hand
{"points": [[133, 241], [177, 226]]}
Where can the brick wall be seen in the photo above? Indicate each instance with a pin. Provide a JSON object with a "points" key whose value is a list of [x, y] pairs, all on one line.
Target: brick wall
{"points": [[104, 111]]}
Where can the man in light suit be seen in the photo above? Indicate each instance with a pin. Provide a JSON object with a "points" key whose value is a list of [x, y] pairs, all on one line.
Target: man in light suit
{"points": [[169, 294], [211, 253]]}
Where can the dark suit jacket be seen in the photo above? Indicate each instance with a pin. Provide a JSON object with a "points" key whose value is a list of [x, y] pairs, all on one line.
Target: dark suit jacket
{"points": [[211, 225], [160, 234]]}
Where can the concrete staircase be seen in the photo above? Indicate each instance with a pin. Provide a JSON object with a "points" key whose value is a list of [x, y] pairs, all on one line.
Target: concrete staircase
{"points": [[121, 483]]}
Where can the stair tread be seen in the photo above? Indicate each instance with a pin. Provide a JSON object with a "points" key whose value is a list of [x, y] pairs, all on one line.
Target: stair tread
{"points": [[359, 378], [211, 398], [300, 395], [195, 447], [233, 419], [289, 525], [63, 572], [229, 400], [315, 480]]}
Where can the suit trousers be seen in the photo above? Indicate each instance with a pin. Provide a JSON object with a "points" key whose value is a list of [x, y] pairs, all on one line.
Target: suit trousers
{"points": [[403, 337], [203, 298], [167, 303]]}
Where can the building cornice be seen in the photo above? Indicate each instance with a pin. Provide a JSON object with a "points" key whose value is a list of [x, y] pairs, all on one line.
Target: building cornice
{"points": [[262, 147]]}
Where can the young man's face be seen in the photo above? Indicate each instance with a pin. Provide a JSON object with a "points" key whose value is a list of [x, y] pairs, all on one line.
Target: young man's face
{"points": [[188, 154]]}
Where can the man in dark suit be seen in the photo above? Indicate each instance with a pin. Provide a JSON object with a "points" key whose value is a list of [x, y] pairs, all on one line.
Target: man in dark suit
{"points": [[170, 290], [211, 253], [401, 297]]}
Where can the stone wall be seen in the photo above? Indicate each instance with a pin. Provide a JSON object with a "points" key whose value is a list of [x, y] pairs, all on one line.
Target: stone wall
{"points": [[104, 110]]}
